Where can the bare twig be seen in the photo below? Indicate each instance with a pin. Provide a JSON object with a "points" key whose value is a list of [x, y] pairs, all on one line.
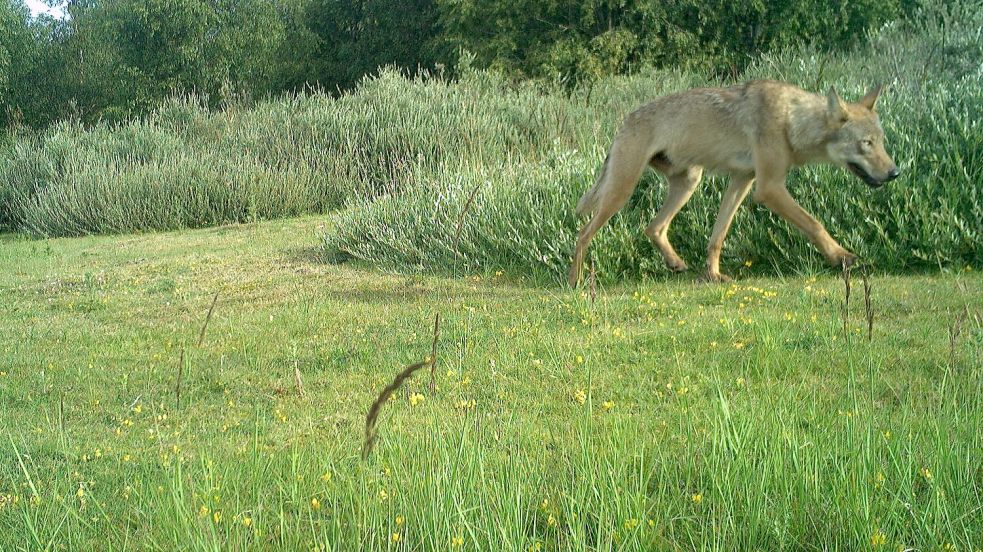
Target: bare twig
{"points": [[955, 329], [180, 372], [297, 379], [373, 415], [61, 412], [433, 353], [846, 301], [460, 220], [208, 317], [819, 73], [593, 284], [868, 305]]}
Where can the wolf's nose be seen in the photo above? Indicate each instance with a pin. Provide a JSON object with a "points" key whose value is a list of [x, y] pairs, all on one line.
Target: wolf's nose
{"points": [[893, 173]]}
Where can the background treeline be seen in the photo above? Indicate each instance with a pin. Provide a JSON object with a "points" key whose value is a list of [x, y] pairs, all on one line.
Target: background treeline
{"points": [[401, 162], [113, 59]]}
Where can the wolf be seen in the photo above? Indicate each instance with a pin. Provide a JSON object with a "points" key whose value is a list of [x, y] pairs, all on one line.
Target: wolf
{"points": [[755, 133]]}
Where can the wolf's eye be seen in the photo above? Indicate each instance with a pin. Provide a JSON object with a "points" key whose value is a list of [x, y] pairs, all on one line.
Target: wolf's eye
{"points": [[867, 143]]}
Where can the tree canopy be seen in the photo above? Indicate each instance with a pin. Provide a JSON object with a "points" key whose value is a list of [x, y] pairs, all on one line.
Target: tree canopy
{"points": [[113, 59]]}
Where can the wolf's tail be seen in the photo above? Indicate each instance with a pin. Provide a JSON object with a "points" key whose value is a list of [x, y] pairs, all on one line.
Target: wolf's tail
{"points": [[589, 199]]}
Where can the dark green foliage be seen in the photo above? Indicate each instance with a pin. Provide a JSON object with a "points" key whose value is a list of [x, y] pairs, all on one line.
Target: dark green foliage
{"points": [[588, 39], [352, 39], [116, 59], [30, 70]]}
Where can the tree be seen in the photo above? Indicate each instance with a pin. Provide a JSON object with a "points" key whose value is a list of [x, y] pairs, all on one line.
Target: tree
{"points": [[25, 64], [353, 38], [584, 39]]}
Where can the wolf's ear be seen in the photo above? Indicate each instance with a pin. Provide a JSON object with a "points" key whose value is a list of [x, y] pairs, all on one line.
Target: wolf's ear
{"points": [[836, 109], [870, 100]]}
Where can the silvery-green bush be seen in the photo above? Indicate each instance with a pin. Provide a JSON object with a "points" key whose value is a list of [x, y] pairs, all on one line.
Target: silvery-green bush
{"points": [[399, 159]]}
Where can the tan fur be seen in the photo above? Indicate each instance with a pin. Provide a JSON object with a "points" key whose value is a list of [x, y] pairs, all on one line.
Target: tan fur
{"points": [[754, 132]]}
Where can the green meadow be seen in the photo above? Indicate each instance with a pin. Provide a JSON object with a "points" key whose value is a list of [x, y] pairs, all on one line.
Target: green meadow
{"points": [[654, 414], [201, 300]]}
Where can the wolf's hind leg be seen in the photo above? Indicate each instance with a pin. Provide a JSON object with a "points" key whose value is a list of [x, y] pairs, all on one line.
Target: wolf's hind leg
{"points": [[625, 166], [740, 185], [681, 188]]}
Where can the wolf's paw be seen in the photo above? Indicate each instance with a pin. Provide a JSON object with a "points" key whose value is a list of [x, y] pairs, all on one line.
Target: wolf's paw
{"points": [[715, 278], [844, 259], [677, 265]]}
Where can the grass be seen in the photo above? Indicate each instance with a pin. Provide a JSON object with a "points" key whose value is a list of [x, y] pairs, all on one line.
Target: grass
{"points": [[663, 415]]}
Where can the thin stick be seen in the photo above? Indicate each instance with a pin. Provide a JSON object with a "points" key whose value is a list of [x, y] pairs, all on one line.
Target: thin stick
{"points": [[593, 284], [846, 302], [460, 220], [180, 372], [954, 330], [299, 381], [433, 353], [373, 415], [201, 335], [868, 305]]}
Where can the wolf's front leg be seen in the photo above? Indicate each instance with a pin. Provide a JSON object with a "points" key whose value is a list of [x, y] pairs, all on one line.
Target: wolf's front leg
{"points": [[776, 197], [740, 185]]}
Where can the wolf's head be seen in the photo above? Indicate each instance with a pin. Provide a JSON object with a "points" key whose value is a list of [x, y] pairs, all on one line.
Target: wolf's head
{"points": [[857, 139]]}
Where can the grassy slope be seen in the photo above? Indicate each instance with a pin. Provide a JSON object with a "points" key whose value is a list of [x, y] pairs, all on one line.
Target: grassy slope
{"points": [[712, 417]]}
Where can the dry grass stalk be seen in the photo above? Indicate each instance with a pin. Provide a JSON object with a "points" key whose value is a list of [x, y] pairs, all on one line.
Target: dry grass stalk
{"points": [[376, 408], [433, 353], [61, 412], [297, 379], [846, 301], [460, 220], [208, 317], [180, 372], [955, 329], [593, 284], [868, 305]]}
